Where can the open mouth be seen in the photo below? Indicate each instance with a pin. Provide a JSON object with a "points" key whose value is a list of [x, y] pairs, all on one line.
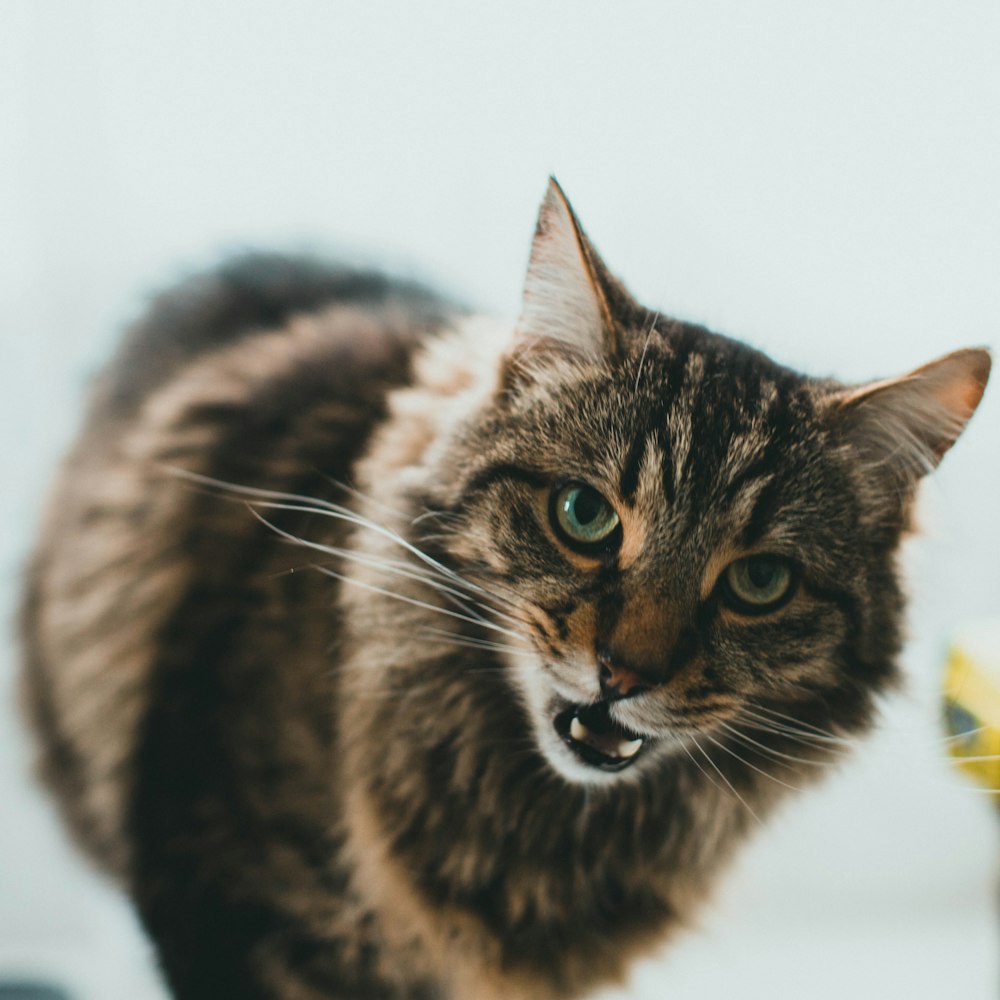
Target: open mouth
{"points": [[596, 739]]}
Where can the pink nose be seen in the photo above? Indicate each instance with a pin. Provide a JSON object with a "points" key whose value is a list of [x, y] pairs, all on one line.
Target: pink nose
{"points": [[617, 681]]}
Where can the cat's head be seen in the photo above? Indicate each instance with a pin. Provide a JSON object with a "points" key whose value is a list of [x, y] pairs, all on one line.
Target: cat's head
{"points": [[694, 540]]}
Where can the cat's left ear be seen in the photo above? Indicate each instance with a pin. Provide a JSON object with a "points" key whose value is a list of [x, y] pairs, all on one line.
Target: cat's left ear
{"points": [[907, 424], [572, 303]]}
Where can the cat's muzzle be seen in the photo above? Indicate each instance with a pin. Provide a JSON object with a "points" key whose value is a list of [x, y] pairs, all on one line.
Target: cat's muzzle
{"points": [[596, 739]]}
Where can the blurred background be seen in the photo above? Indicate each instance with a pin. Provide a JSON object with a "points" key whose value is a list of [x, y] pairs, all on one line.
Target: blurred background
{"points": [[820, 180]]}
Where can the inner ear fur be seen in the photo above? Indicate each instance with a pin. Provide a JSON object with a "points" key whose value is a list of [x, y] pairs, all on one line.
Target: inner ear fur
{"points": [[908, 423], [572, 304]]}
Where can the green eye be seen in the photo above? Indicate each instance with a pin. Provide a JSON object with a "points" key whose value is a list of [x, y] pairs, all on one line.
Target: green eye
{"points": [[583, 519], [758, 583]]}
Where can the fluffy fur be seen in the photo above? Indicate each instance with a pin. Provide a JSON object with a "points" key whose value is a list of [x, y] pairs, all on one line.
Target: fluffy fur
{"points": [[304, 638]]}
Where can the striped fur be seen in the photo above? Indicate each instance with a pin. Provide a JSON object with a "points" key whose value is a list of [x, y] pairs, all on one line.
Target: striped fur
{"points": [[299, 621]]}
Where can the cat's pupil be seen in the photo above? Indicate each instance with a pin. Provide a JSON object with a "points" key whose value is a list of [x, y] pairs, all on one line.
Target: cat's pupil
{"points": [[587, 506], [761, 573], [582, 518], [757, 583]]}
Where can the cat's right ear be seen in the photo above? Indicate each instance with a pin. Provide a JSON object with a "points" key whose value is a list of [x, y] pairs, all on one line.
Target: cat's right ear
{"points": [[570, 297], [905, 425]]}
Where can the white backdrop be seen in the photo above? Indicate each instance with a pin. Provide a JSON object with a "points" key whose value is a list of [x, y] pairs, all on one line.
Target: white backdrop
{"points": [[821, 180]]}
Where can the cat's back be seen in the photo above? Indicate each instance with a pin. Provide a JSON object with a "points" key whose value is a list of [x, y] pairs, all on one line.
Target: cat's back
{"points": [[154, 606]]}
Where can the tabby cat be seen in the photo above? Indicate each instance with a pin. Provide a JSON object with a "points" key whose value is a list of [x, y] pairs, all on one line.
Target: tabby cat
{"points": [[382, 652]]}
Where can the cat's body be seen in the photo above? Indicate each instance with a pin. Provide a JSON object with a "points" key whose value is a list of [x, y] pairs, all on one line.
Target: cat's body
{"points": [[517, 745]]}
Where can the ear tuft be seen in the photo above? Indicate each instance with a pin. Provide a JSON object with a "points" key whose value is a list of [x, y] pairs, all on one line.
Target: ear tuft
{"points": [[910, 422]]}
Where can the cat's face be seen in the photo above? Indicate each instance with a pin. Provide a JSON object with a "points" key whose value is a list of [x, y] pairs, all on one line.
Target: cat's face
{"points": [[697, 544]]}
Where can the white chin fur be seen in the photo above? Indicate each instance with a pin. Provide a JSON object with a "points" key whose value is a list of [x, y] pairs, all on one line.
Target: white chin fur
{"points": [[538, 696]]}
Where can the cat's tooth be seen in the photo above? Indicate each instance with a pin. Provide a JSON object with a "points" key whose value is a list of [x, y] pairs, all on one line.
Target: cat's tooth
{"points": [[578, 730], [629, 748]]}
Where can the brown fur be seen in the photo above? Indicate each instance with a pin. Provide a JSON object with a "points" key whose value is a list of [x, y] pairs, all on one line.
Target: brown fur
{"points": [[300, 627]]}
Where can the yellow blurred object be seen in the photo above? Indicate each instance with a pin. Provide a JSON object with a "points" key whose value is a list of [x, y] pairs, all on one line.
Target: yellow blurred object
{"points": [[972, 702]]}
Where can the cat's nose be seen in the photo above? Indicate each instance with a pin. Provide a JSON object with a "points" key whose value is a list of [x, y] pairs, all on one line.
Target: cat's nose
{"points": [[617, 680]]}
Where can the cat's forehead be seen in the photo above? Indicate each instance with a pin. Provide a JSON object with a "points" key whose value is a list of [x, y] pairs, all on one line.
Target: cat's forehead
{"points": [[685, 424], [682, 383]]}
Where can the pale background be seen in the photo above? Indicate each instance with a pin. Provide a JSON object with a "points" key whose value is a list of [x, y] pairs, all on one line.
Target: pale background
{"points": [[823, 180]]}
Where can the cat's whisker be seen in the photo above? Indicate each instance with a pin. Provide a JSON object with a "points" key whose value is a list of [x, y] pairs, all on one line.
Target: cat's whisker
{"points": [[473, 643], [454, 639], [796, 721], [727, 782], [436, 538], [432, 515], [343, 577], [276, 499], [775, 729], [488, 609], [463, 601], [399, 568], [351, 517], [512, 598], [394, 566], [797, 727], [707, 776], [972, 758], [959, 737], [312, 504], [831, 747], [779, 755], [364, 559], [828, 751], [364, 497], [753, 767], [645, 347]]}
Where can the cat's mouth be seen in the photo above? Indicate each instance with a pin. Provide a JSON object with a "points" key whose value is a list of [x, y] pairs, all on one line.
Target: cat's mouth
{"points": [[596, 739]]}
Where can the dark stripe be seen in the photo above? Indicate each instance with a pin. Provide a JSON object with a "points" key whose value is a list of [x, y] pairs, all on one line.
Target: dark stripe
{"points": [[632, 467], [544, 639], [667, 468], [502, 472], [562, 608], [675, 377], [762, 515], [760, 468], [558, 614]]}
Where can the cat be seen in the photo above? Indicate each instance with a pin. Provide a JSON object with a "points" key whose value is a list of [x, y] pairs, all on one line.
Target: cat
{"points": [[379, 650]]}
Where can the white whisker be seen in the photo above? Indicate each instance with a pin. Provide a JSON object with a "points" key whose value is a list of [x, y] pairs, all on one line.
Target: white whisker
{"points": [[364, 497], [294, 501], [344, 578], [796, 727], [471, 642], [645, 346], [694, 760], [753, 767], [729, 784], [764, 748]]}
